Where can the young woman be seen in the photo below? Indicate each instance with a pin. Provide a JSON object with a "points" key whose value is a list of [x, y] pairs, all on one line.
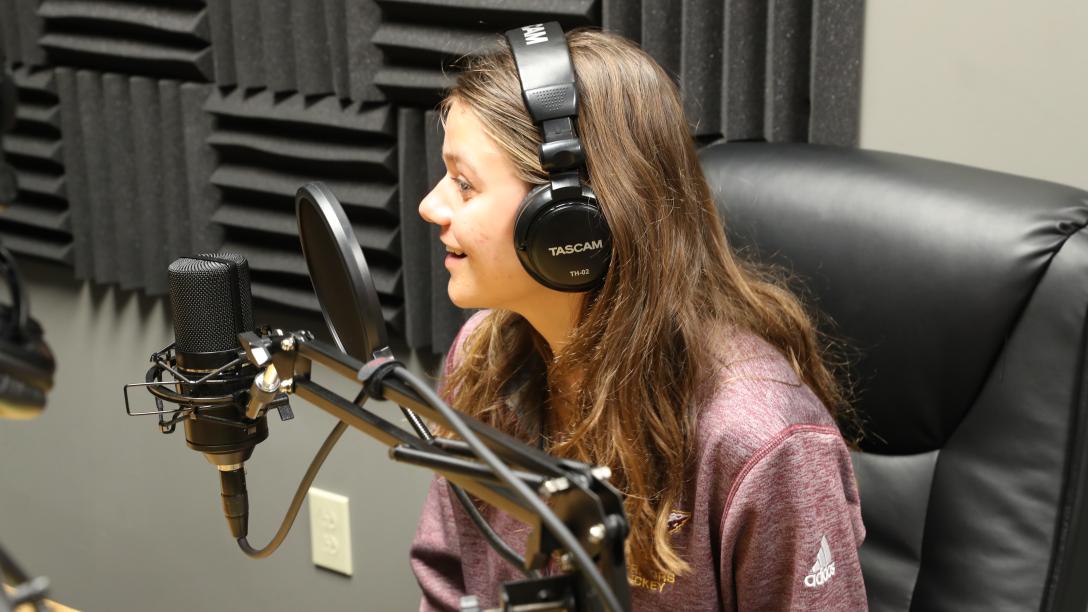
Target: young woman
{"points": [[699, 382]]}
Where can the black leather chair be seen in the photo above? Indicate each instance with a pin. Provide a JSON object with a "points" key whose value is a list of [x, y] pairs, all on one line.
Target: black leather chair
{"points": [[964, 296]]}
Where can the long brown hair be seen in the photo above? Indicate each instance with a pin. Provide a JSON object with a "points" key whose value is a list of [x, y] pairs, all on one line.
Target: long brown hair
{"points": [[644, 352]]}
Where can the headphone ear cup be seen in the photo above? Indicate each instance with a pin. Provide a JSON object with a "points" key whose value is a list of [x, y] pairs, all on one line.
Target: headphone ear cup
{"points": [[538, 198], [26, 368], [18, 400], [564, 244]]}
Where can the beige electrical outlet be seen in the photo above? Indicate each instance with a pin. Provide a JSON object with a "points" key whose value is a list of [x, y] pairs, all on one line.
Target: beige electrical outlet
{"points": [[330, 531]]}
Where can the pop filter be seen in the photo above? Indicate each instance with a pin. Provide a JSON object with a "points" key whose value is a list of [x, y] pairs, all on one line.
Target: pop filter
{"points": [[338, 271]]}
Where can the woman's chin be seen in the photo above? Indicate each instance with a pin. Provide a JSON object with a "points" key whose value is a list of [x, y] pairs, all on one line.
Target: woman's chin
{"points": [[462, 298], [460, 303]]}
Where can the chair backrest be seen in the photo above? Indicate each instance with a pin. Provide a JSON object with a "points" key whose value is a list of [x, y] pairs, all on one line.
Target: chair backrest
{"points": [[963, 294]]}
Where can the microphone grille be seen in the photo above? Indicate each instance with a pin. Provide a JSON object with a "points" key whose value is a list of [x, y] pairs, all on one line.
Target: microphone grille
{"points": [[211, 301]]}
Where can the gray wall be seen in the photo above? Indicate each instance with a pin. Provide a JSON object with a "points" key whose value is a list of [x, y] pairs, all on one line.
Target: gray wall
{"points": [[998, 84]]}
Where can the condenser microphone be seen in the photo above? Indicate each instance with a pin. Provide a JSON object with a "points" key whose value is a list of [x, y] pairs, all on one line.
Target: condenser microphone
{"points": [[211, 302]]}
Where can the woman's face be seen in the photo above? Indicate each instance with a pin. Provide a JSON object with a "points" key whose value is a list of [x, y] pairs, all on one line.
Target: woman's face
{"points": [[474, 206]]}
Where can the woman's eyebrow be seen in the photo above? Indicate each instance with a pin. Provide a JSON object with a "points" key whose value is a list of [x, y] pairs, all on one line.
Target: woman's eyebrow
{"points": [[453, 158]]}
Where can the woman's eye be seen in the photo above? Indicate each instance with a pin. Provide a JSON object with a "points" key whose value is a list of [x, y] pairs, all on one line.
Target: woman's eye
{"points": [[462, 186]]}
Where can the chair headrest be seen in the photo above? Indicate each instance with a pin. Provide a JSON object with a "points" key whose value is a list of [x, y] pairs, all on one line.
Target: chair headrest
{"points": [[923, 266]]}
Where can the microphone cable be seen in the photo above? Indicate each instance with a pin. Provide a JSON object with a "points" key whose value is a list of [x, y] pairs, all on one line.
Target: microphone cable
{"points": [[493, 538], [300, 494], [547, 516]]}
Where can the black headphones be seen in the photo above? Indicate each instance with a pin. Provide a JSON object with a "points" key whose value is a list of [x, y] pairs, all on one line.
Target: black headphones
{"points": [[560, 234]]}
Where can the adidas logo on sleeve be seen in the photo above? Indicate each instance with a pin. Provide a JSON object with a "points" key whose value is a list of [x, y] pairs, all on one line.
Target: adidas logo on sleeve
{"points": [[823, 569]]}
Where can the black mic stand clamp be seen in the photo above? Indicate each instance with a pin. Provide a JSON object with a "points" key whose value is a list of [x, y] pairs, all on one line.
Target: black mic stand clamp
{"points": [[164, 361], [211, 394], [572, 510], [269, 386]]}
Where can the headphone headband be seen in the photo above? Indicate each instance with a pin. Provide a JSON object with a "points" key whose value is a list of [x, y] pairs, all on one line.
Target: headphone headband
{"points": [[560, 235], [545, 69]]}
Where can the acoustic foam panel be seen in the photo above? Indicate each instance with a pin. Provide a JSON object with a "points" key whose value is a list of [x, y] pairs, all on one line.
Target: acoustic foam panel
{"points": [[415, 235], [21, 27], [150, 188], [743, 69], [120, 187], [789, 41], [661, 30], [775, 70], [431, 320], [701, 65], [88, 88], [268, 146], [38, 221], [162, 40], [624, 18], [836, 71], [685, 37], [309, 46], [748, 70], [446, 319], [75, 174], [138, 168], [362, 18], [420, 39]]}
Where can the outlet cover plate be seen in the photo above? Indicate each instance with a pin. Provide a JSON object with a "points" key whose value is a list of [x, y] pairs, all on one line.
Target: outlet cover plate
{"points": [[330, 531]]}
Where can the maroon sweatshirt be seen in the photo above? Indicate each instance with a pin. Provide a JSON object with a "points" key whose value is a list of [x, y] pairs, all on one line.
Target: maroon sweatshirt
{"points": [[771, 518]]}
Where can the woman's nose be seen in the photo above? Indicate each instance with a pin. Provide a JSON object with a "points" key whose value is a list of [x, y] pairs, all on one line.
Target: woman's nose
{"points": [[433, 208]]}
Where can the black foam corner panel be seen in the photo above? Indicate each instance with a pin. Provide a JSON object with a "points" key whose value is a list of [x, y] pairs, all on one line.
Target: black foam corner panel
{"points": [[623, 18], [38, 221], [786, 98], [267, 147], [773, 70], [135, 37], [138, 167], [743, 68], [701, 59], [838, 30], [685, 37], [21, 29]]}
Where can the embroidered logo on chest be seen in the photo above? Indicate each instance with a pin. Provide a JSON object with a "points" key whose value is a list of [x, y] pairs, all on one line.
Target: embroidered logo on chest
{"points": [[677, 520], [658, 581]]}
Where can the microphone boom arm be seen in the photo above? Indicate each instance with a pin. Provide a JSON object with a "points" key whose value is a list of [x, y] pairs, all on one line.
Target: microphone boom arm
{"points": [[583, 504]]}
